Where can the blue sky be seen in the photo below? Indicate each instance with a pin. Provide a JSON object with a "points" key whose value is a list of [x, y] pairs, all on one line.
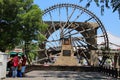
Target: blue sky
{"points": [[110, 20]]}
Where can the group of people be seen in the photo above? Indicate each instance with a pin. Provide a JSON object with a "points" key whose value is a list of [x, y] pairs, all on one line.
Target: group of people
{"points": [[16, 65]]}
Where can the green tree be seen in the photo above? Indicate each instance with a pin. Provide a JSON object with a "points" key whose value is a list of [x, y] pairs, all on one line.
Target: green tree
{"points": [[33, 51], [20, 21]]}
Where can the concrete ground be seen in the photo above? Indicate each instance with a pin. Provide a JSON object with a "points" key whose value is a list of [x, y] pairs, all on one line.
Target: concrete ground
{"points": [[63, 75]]}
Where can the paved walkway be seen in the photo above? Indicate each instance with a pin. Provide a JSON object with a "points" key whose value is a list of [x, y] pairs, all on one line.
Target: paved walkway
{"points": [[63, 75]]}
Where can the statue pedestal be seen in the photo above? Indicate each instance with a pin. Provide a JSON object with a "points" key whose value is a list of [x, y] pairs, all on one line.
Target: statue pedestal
{"points": [[66, 57]]}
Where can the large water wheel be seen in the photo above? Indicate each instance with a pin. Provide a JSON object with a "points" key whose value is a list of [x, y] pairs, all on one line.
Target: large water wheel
{"points": [[70, 21]]}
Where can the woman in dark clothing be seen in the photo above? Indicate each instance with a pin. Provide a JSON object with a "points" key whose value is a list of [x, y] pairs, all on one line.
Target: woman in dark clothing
{"points": [[9, 67]]}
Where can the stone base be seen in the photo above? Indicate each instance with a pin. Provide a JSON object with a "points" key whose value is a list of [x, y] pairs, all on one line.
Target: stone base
{"points": [[66, 61]]}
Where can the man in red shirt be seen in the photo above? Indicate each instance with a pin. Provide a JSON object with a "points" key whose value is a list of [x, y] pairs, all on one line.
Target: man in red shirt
{"points": [[15, 63]]}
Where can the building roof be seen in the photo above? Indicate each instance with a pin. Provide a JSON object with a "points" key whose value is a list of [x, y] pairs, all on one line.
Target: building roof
{"points": [[114, 41]]}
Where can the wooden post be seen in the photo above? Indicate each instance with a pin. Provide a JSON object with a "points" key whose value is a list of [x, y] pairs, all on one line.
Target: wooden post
{"points": [[117, 64], [93, 58]]}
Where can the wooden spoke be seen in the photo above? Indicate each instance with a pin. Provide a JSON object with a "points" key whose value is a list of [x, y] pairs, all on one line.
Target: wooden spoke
{"points": [[81, 44], [74, 20], [60, 18], [68, 20], [83, 40], [48, 30], [53, 25], [88, 43], [88, 19], [67, 13], [77, 25], [80, 31], [84, 55], [52, 40], [90, 37], [51, 46]]}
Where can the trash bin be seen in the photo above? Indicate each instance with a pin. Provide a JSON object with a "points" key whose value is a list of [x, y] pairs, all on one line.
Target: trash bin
{"points": [[3, 65]]}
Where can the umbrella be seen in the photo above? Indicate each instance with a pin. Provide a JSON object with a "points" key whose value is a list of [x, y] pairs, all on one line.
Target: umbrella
{"points": [[12, 53], [20, 53]]}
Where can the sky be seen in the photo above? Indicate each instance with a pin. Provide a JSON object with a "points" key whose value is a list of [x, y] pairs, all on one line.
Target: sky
{"points": [[110, 20]]}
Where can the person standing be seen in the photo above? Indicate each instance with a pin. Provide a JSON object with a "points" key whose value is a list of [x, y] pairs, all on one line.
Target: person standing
{"points": [[9, 66], [19, 73], [15, 62], [24, 59]]}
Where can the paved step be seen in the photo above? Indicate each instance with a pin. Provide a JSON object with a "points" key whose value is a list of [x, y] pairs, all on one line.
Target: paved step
{"points": [[63, 75]]}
